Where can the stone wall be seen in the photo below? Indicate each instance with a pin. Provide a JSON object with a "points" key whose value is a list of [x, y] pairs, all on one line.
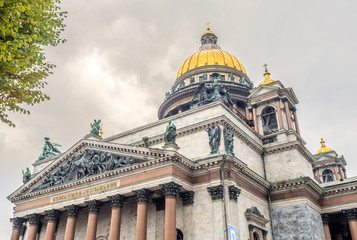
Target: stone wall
{"points": [[299, 222]]}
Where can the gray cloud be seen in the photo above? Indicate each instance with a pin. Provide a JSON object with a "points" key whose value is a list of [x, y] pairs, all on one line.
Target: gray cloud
{"points": [[122, 56]]}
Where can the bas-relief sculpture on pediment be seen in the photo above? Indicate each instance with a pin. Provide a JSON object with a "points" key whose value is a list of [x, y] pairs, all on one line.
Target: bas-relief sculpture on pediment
{"points": [[88, 163]]}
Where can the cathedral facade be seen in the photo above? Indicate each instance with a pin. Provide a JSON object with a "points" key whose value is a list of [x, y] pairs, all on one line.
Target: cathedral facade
{"points": [[225, 160]]}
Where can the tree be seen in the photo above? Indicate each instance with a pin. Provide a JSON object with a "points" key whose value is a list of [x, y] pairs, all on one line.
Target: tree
{"points": [[26, 27]]}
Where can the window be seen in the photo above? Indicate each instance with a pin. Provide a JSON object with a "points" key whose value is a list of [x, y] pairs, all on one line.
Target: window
{"points": [[327, 176], [270, 124], [179, 234]]}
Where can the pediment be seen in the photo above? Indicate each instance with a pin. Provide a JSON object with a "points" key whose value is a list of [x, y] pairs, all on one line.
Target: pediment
{"points": [[263, 89], [88, 159]]}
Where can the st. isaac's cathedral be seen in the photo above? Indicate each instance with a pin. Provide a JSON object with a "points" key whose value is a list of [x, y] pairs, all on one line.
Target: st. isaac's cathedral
{"points": [[225, 160]]}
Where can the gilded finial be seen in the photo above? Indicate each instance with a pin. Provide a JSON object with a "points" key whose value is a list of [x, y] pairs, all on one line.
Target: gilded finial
{"points": [[322, 142], [266, 73], [208, 23]]}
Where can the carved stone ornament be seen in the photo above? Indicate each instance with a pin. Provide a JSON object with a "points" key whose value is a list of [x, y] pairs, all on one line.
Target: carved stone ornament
{"points": [[216, 192], [93, 206], [160, 203], [52, 215], [17, 223], [117, 201], [350, 214], [325, 218], [251, 227], [143, 195], [265, 233], [255, 211], [187, 198], [233, 192], [87, 163], [170, 189], [72, 211], [34, 219]]}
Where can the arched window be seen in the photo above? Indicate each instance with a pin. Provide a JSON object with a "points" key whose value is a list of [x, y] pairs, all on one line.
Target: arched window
{"points": [[270, 124], [256, 236], [179, 234], [327, 176]]}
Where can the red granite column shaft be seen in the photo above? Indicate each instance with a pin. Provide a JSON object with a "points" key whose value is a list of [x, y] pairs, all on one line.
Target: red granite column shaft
{"points": [[251, 235], [117, 205], [325, 221], [341, 172], [72, 213], [317, 174], [247, 113], [93, 210], [17, 223], [265, 234], [336, 174], [280, 116], [34, 220], [351, 216], [52, 219], [288, 114], [170, 191], [142, 198], [296, 123], [141, 223], [255, 118], [170, 218]]}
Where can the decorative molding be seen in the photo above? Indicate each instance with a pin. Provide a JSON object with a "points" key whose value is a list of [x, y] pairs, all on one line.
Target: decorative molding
{"points": [[233, 192], [325, 218], [253, 215], [350, 214], [116, 201], [216, 192], [93, 206], [187, 197], [251, 227], [17, 223], [265, 233], [160, 203], [72, 211], [142, 195], [34, 219], [170, 189], [52, 215]]}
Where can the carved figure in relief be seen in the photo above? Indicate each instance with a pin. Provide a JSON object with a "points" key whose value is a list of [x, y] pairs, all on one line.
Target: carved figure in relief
{"points": [[214, 135]]}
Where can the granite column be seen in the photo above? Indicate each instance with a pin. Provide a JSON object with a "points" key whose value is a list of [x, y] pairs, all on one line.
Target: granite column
{"points": [[52, 219], [325, 221], [17, 224], [117, 202], [93, 210], [142, 198], [35, 222]]}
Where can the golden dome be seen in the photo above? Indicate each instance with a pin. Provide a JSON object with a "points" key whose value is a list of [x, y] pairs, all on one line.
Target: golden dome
{"points": [[211, 56], [323, 147], [267, 79]]}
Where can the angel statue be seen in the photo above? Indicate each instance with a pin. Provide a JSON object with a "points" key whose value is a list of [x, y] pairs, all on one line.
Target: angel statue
{"points": [[170, 134], [95, 127], [228, 140], [26, 175], [214, 134], [49, 149]]}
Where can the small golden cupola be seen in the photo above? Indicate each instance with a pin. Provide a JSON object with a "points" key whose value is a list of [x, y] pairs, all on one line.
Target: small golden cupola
{"points": [[267, 78], [323, 147]]}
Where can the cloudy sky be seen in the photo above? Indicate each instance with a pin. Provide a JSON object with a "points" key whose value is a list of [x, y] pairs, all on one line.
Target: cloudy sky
{"points": [[122, 56]]}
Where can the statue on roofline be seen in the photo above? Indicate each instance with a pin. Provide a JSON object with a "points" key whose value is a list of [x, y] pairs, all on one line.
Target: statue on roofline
{"points": [[95, 127], [49, 149], [170, 134], [26, 175]]}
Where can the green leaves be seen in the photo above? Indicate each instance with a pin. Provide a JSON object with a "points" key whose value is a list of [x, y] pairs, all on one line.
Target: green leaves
{"points": [[25, 27]]}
